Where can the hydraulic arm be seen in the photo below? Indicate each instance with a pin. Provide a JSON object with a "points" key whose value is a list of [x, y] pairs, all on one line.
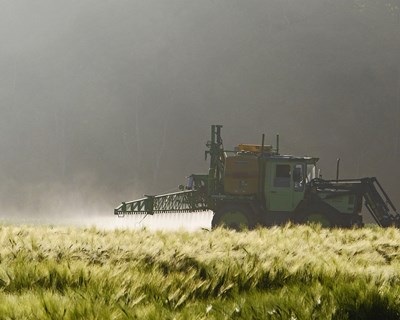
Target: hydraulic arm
{"points": [[370, 190], [379, 204]]}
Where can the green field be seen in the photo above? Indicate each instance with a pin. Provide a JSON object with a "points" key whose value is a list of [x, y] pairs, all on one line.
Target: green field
{"points": [[286, 272]]}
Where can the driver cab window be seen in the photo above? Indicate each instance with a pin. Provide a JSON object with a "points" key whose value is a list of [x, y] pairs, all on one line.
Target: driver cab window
{"points": [[282, 176], [311, 172], [298, 177]]}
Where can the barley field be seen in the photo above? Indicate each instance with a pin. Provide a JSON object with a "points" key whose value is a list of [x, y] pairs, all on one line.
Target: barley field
{"points": [[290, 272]]}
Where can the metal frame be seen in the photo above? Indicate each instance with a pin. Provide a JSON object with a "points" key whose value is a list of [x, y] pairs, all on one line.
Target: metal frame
{"points": [[183, 201]]}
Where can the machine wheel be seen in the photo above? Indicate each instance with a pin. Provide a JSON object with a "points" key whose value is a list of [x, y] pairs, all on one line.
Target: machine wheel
{"points": [[234, 217], [323, 220]]}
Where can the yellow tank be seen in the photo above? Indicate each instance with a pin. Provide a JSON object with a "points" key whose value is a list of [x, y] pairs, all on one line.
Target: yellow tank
{"points": [[255, 148], [241, 175]]}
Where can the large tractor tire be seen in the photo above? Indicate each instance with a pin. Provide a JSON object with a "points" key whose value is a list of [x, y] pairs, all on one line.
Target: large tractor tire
{"points": [[319, 218], [237, 217]]}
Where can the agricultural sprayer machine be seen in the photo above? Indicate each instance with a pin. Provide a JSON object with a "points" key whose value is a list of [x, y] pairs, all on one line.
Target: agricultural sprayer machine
{"points": [[256, 185]]}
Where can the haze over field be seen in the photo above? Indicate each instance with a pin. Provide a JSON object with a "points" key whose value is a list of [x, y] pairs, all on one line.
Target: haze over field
{"points": [[104, 101]]}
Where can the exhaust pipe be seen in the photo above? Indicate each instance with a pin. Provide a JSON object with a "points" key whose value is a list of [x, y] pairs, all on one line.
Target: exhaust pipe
{"points": [[337, 168]]}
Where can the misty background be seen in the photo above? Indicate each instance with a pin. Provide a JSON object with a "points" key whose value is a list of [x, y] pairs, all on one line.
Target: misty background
{"points": [[104, 101]]}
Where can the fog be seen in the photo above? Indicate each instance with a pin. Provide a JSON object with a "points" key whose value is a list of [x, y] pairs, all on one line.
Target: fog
{"points": [[104, 101]]}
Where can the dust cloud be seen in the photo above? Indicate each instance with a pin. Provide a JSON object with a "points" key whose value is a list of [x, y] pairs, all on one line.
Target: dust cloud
{"points": [[104, 101]]}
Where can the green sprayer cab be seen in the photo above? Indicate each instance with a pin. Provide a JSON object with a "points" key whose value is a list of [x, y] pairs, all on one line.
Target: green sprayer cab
{"points": [[256, 185]]}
